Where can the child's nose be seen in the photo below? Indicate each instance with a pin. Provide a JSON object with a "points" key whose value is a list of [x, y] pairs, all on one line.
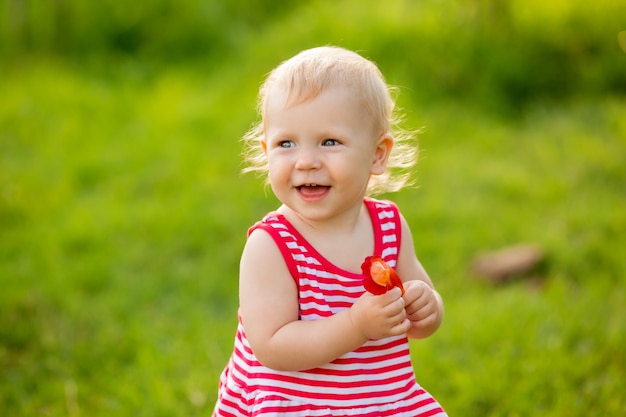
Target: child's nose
{"points": [[308, 159]]}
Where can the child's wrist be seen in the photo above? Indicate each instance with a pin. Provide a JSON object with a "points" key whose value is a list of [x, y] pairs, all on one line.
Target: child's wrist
{"points": [[355, 324]]}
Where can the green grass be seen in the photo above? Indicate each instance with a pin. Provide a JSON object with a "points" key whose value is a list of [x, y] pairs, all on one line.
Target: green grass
{"points": [[123, 214]]}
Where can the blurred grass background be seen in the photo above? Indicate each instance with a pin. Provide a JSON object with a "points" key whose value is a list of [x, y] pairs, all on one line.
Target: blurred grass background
{"points": [[123, 212]]}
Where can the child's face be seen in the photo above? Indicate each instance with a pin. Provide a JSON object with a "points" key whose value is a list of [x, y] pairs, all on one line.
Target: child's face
{"points": [[321, 152]]}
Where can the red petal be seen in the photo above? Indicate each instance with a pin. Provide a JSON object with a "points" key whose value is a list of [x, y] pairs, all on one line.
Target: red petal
{"points": [[366, 266], [372, 287], [396, 281]]}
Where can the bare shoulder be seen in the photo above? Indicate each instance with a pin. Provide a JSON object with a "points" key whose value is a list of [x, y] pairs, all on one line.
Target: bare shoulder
{"points": [[260, 248], [265, 284], [262, 262]]}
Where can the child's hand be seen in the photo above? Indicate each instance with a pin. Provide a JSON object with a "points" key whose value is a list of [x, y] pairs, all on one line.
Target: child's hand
{"points": [[422, 306], [379, 316]]}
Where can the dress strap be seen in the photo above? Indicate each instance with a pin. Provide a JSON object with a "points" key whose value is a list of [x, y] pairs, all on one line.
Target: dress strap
{"points": [[274, 225], [387, 229]]}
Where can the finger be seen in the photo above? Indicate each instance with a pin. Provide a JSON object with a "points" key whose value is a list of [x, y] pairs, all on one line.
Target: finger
{"points": [[396, 307], [422, 313], [417, 316], [422, 296], [397, 318], [413, 293], [391, 297], [425, 321], [415, 306], [401, 328], [394, 293]]}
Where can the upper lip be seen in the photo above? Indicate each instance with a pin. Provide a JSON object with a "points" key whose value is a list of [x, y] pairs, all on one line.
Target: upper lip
{"points": [[310, 184]]}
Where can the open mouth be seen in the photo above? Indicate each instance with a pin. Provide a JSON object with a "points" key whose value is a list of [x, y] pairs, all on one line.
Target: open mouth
{"points": [[312, 191]]}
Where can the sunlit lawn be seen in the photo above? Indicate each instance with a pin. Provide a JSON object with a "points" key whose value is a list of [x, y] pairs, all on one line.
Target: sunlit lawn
{"points": [[123, 213]]}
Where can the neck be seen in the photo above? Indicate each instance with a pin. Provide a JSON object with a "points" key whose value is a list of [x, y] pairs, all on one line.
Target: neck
{"points": [[343, 224], [343, 240]]}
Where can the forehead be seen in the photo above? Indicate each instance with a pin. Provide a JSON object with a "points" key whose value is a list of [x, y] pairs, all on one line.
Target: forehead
{"points": [[334, 109], [299, 88], [329, 100]]}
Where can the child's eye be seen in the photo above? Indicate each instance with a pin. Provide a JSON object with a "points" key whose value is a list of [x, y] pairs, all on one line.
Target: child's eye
{"points": [[330, 142], [286, 144]]}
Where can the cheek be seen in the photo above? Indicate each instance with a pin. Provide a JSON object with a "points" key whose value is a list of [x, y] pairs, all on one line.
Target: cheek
{"points": [[353, 172], [277, 168]]}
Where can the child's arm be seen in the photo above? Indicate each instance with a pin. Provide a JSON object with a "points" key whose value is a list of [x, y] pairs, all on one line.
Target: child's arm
{"points": [[269, 312], [424, 306]]}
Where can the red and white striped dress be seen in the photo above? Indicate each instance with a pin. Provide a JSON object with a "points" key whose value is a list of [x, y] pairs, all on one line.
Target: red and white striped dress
{"points": [[376, 379]]}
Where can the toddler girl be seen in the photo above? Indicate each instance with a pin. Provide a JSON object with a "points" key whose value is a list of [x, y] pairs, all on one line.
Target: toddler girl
{"points": [[311, 341]]}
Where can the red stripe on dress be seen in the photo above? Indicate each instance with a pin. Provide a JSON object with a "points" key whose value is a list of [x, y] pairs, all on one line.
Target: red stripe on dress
{"points": [[235, 404], [304, 381], [335, 396], [356, 371]]}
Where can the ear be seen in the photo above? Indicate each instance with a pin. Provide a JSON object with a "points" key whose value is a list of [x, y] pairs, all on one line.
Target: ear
{"points": [[381, 154], [264, 146]]}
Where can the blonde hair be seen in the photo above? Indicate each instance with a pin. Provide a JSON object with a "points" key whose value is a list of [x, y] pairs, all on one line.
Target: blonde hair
{"points": [[310, 72]]}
